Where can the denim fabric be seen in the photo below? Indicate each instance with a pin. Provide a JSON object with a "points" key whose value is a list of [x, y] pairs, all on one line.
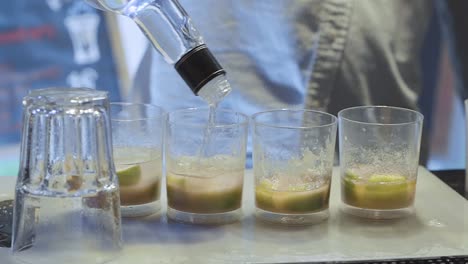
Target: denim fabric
{"points": [[317, 54], [268, 55], [323, 54]]}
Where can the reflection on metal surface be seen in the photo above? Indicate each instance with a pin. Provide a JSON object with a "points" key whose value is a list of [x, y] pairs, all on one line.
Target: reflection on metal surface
{"points": [[436, 223], [6, 220]]}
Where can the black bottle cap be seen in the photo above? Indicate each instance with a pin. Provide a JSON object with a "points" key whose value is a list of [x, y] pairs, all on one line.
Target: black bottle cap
{"points": [[197, 67]]}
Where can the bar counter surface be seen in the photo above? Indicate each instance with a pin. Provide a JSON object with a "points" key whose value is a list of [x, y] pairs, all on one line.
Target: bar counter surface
{"points": [[438, 228]]}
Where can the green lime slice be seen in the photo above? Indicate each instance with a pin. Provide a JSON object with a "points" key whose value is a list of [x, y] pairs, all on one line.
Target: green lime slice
{"points": [[386, 183], [129, 176], [218, 202], [376, 178], [350, 189], [387, 191], [349, 180], [291, 202], [175, 181], [350, 175], [264, 197], [380, 191], [302, 201], [203, 202], [298, 188], [265, 185]]}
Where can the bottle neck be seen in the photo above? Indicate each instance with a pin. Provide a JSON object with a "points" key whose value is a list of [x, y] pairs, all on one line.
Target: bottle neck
{"points": [[171, 31], [198, 67]]}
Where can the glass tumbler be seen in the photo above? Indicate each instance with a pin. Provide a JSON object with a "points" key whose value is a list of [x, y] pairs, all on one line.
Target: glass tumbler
{"points": [[379, 157], [67, 198], [205, 164], [293, 162], [137, 138]]}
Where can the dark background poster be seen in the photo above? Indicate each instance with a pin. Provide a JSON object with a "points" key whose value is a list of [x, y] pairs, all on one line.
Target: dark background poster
{"points": [[46, 43]]}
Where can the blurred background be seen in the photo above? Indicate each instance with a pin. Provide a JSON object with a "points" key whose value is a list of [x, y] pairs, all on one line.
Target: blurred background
{"points": [[47, 43]]}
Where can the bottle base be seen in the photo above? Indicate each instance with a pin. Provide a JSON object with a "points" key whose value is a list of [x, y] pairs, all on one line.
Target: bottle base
{"points": [[204, 219], [377, 214], [292, 219]]}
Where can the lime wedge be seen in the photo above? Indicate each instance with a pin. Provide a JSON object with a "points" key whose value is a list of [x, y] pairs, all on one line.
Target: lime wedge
{"points": [[129, 176], [175, 181]]}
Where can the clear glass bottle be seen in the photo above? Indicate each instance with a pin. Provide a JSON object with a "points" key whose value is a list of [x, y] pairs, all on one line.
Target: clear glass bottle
{"points": [[67, 207], [169, 28]]}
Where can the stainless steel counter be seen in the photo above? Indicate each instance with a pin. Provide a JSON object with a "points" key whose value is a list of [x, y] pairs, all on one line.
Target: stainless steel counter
{"points": [[439, 228]]}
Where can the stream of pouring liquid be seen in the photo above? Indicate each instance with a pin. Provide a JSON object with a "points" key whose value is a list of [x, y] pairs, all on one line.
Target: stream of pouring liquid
{"points": [[212, 93], [207, 134]]}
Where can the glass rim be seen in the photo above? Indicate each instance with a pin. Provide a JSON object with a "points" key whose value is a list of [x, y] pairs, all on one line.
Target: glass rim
{"points": [[244, 122], [418, 116], [334, 119], [162, 113], [76, 96]]}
